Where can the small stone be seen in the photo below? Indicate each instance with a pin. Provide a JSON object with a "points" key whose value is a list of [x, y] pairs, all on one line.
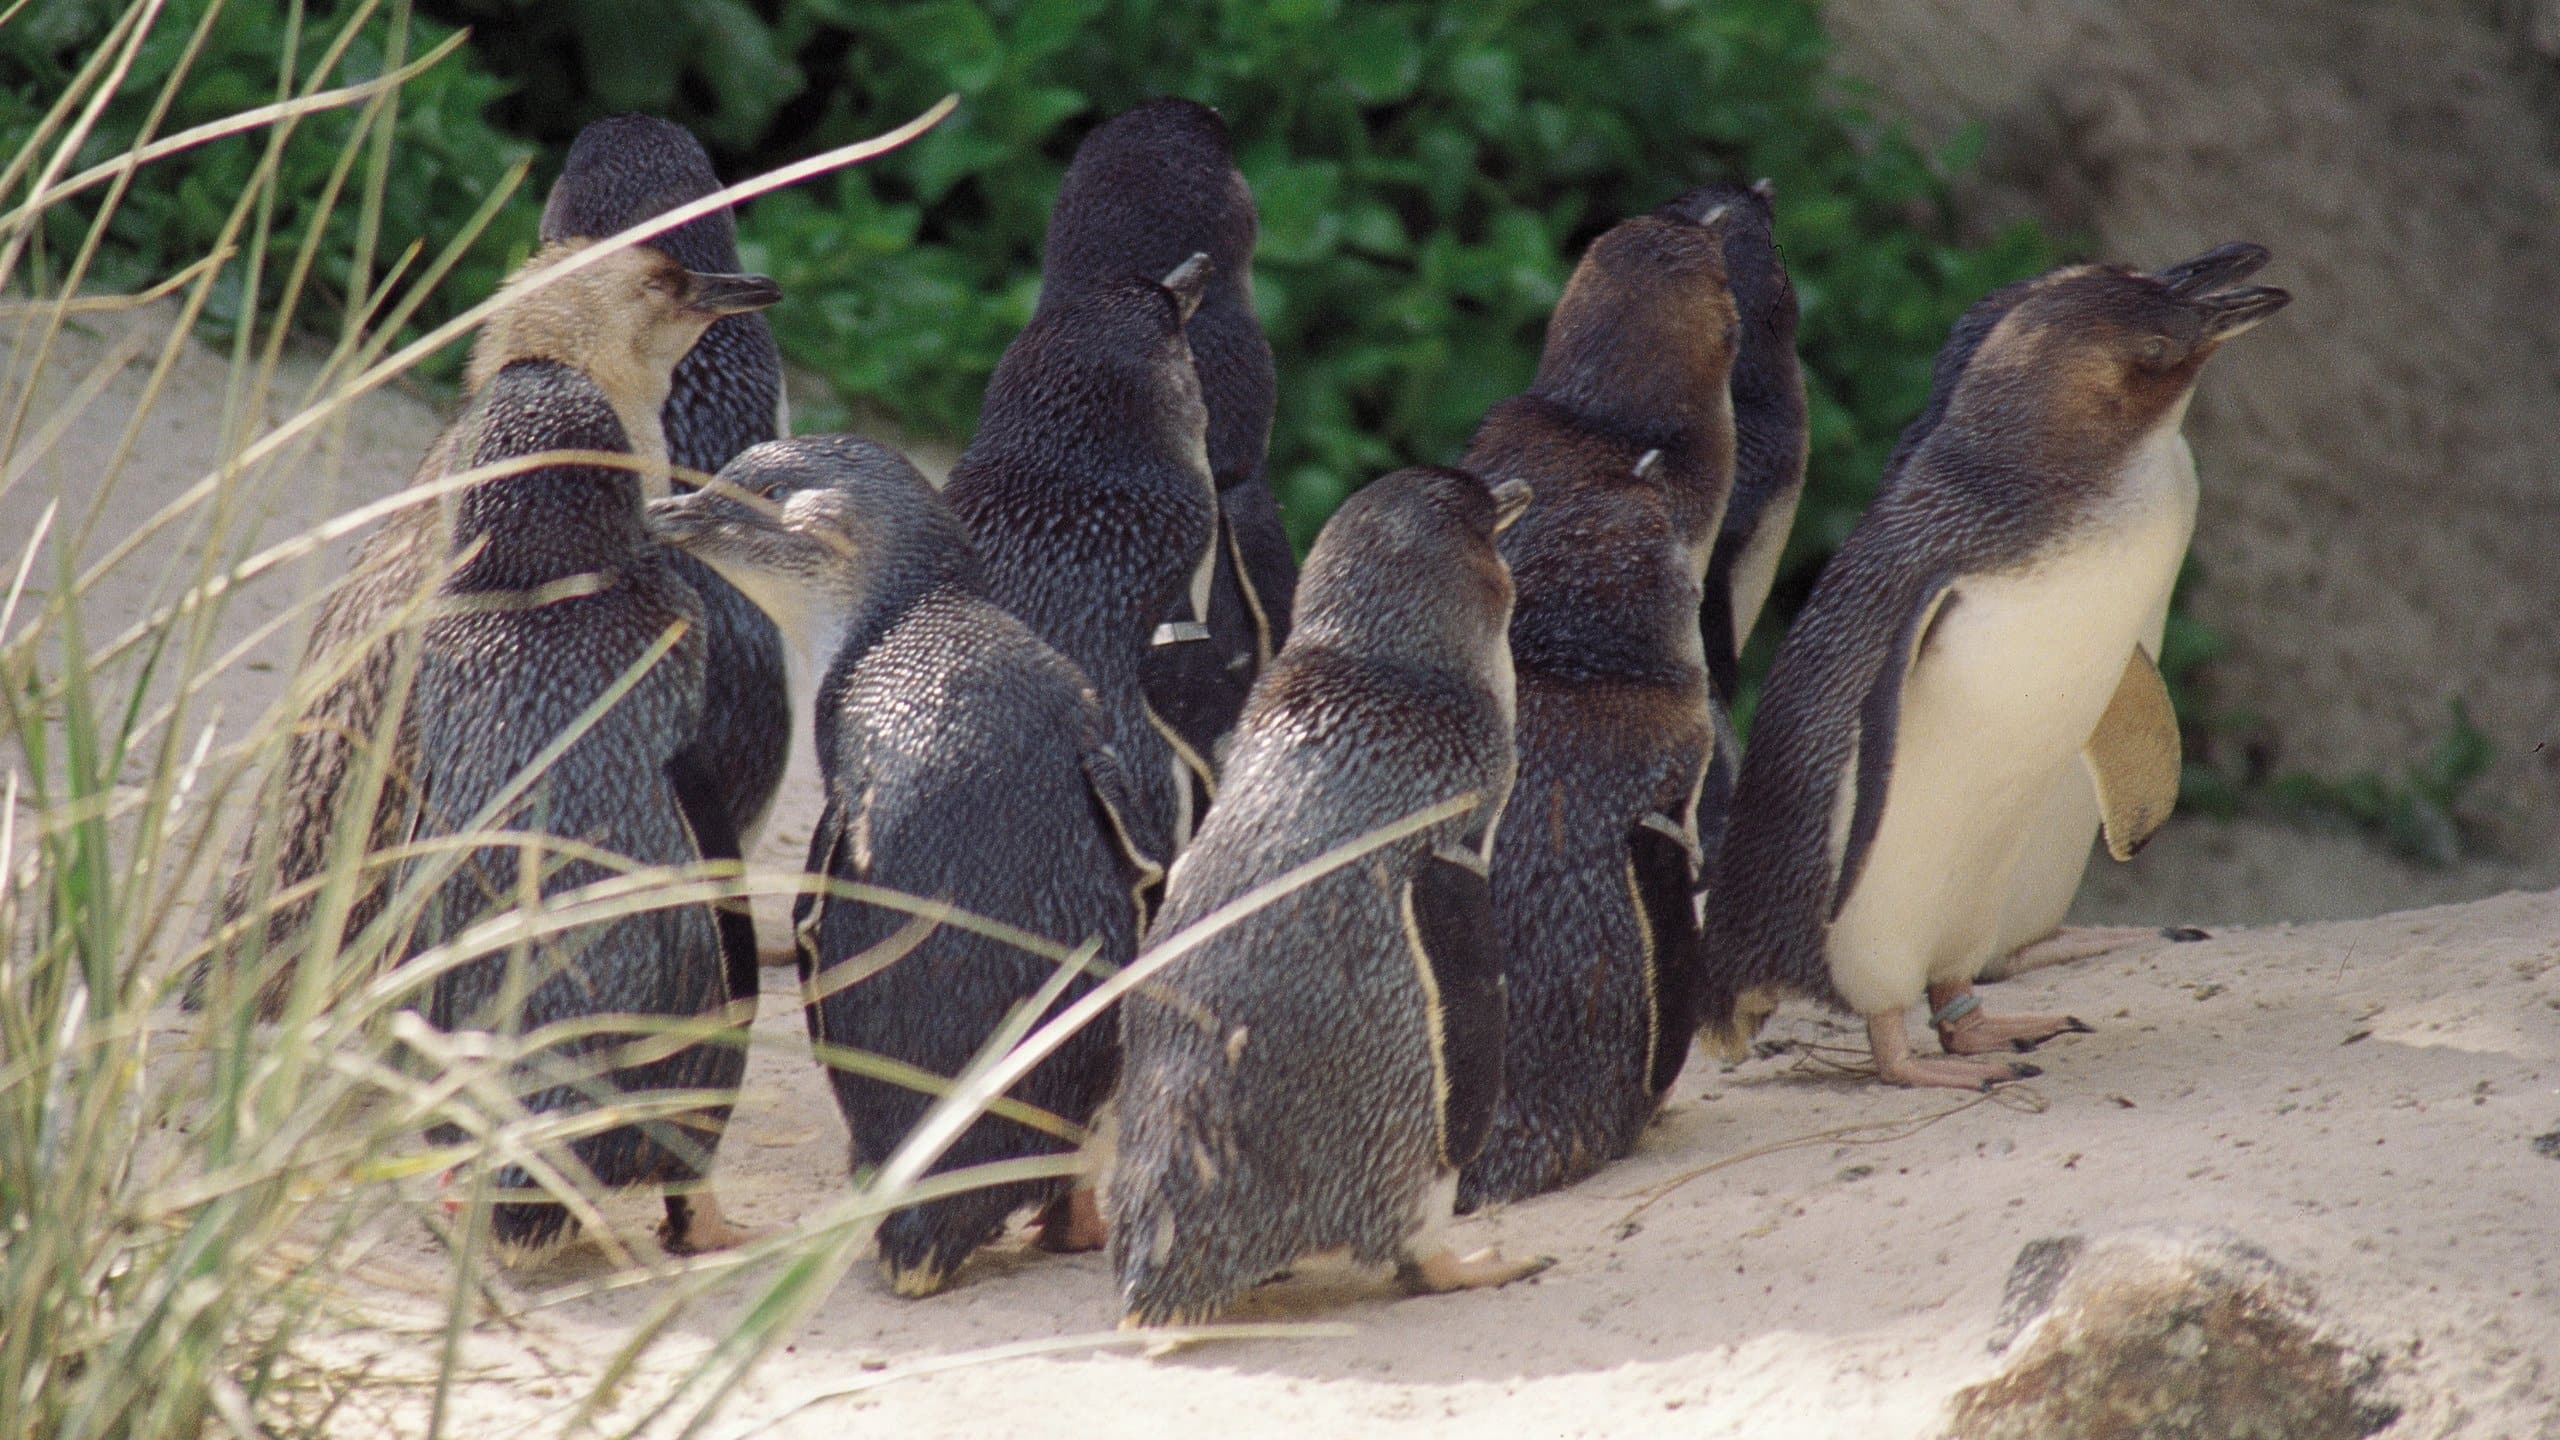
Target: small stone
{"points": [[2547, 1146]]}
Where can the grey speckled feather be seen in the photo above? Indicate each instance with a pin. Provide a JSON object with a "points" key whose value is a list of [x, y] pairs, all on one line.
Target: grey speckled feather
{"points": [[1282, 1094], [1147, 189], [960, 754], [726, 395], [1769, 423], [1087, 493], [1617, 724], [498, 680]]}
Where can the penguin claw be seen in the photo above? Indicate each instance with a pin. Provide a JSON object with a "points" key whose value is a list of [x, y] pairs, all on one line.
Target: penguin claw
{"points": [[1979, 1034]]}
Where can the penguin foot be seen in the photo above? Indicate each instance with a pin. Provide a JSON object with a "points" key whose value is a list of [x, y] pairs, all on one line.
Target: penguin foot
{"points": [[1073, 1223], [1443, 1271], [2078, 942], [1888, 1038], [695, 1226], [1979, 1034]]}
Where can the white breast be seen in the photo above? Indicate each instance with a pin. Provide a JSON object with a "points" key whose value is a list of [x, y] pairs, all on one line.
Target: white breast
{"points": [[2014, 676]]}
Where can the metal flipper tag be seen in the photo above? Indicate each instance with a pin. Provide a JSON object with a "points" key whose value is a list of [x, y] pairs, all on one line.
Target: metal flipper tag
{"points": [[1179, 632], [2134, 758]]}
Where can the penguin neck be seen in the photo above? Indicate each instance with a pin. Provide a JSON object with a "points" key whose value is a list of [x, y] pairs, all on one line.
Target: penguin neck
{"points": [[546, 524], [1765, 370], [851, 632], [639, 400], [552, 521], [1656, 404]]}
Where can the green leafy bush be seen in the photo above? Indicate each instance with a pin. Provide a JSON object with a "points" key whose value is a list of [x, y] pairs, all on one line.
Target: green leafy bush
{"points": [[1427, 173], [448, 164]]}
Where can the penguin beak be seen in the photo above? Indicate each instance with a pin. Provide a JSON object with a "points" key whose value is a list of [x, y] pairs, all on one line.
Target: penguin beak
{"points": [[1509, 499], [2232, 311], [2221, 266], [1187, 282], [718, 294], [675, 519]]}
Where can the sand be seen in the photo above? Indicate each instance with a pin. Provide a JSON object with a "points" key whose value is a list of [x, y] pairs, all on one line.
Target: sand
{"points": [[1794, 1252]]}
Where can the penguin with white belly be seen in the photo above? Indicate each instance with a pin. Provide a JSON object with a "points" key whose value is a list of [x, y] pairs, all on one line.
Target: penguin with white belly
{"points": [[1983, 628]]}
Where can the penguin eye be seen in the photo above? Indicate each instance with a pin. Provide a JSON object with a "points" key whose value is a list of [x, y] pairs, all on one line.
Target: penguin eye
{"points": [[777, 492], [2155, 351]]}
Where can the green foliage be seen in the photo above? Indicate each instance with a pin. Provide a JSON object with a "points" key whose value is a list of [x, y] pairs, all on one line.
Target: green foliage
{"points": [[448, 164], [1426, 171]]}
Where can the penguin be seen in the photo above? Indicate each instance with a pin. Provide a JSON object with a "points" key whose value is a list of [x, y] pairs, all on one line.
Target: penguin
{"points": [[1148, 188], [556, 595], [1627, 435], [1311, 1077], [724, 395], [965, 762], [2048, 878], [1088, 495], [1982, 628], [1769, 426]]}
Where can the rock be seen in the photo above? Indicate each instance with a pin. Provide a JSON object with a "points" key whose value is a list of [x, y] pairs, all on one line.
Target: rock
{"points": [[2167, 1335]]}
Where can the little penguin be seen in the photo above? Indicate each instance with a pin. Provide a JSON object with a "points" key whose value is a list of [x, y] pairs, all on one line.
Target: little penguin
{"points": [[726, 395], [1769, 426], [1982, 628], [1088, 495], [2048, 879], [1310, 1078], [965, 762], [1148, 188], [557, 596], [1626, 434]]}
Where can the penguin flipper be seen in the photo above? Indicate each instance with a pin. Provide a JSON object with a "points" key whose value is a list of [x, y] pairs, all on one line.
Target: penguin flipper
{"points": [[827, 861], [1459, 955], [1266, 568], [705, 807], [1871, 769], [1662, 874], [1715, 627], [2134, 757], [1108, 786]]}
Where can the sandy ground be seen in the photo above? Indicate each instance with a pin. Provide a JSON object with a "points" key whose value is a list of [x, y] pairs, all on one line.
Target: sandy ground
{"points": [[1792, 1252]]}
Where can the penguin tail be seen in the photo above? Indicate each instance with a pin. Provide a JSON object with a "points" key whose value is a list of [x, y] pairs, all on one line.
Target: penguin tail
{"points": [[1730, 1019], [922, 1247], [523, 1230]]}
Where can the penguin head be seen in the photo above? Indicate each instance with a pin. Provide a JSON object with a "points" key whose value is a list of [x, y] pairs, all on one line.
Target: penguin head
{"points": [[2112, 352], [1646, 328], [1763, 297], [624, 320], [817, 531], [624, 169], [1407, 570], [1105, 373], [1146, 188]]}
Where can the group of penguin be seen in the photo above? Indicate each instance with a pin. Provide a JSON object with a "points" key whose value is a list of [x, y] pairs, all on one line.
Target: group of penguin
{"points": [[1082, 695]]}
